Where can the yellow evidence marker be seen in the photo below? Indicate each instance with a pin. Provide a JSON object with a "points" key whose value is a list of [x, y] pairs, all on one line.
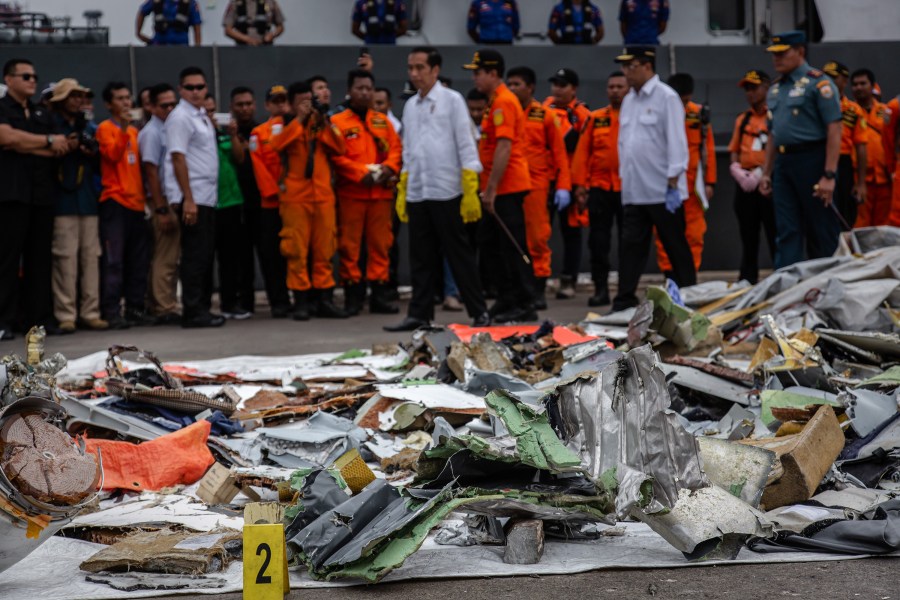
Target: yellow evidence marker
{"points": [[265, 563]]}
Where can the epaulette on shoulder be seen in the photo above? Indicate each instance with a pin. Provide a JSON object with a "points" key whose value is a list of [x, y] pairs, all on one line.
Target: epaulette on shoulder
{"points": [[778, 79], [815, 73]]}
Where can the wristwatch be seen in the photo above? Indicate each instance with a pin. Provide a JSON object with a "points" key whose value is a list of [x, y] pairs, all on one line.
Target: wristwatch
{"points": [[49, 141], [829, 175], [162, 210]]}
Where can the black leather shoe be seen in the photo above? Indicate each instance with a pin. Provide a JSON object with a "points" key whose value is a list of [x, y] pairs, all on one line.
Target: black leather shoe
{"points": [[482, 320], [300, 312], [517, 315], [281, 312], [600, 298], [326, 308], [540, 294], [354, 298], [138, 318], [379, 303], [500, 307], [407, 324], [207, 320], [117, 322], [167, 319]]}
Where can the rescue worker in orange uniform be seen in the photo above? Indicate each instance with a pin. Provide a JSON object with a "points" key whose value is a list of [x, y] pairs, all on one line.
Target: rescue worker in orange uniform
{"points": [[595, 174], [702, 156], [505, 182], [747, 149], [876, 210], [366, 176], [572, 115], [890, 140], [851, 190], [307, 204], [545, 152], [267, 170]]}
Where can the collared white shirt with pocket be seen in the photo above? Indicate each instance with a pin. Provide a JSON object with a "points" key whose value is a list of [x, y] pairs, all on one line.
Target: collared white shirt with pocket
{"points": [[190, 132], [152, 145], [652, 144], [437, 145]]}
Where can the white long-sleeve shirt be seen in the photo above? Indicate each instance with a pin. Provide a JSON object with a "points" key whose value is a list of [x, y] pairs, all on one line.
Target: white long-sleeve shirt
{"points": [[437, 145], [652, 143]]}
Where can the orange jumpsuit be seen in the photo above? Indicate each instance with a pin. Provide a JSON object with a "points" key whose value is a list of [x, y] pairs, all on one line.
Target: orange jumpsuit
{"points": [[694, 212], [571, 117], [890, 140], [596, 161], [365, 210], [267, 165], [309, 227], [876, 210], [547, 161], [120, 166]]}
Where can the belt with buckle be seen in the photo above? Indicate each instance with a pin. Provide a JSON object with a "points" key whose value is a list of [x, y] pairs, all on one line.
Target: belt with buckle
{"points": [[801, 147]]}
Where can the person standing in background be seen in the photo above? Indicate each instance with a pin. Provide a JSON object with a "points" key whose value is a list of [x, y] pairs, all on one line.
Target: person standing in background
{"points": [[76, 234], [547, 160], [253, 22], [379, 21], [850, 190], [595, 173], [493, 21], [643, 21], [876, 210], [653, 160], [234, 250], [748, 155], [267, 173], [163, 292], [802, 159], [123, 227], [702, 153], [438, 191], [172, 20], [192, 178]]}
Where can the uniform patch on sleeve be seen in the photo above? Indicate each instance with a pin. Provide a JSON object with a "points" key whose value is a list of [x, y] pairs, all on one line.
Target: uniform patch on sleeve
{"points": [[498, 117], [825, 89]]}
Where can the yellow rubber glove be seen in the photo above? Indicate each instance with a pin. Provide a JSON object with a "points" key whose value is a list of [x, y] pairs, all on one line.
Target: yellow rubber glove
{"points": [[401, 197], [470, 207]]}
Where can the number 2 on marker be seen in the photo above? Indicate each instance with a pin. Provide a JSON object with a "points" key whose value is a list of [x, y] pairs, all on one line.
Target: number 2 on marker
{"points": [[265, 563]]}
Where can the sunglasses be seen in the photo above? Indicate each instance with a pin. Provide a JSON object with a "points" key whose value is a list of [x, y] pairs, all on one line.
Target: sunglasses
{"points": [[26, 76], [168, 105], [195, 88]]}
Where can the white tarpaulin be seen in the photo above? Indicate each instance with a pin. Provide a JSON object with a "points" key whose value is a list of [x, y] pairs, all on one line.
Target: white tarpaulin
{"points": [[639, 548]]}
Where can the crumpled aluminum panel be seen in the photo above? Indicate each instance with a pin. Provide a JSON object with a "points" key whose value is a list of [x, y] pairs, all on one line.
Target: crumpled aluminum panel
{"points": [[620, 420]]}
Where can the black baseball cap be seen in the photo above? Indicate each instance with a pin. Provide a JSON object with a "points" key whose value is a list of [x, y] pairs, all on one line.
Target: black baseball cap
{"points": [[629, 53], [485, 58], [835, 69], [276, 91], [565, 77], [754, 77]]}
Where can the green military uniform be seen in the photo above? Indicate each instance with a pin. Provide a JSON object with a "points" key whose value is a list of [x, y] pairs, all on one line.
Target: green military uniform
{"points": [[802, 104]]}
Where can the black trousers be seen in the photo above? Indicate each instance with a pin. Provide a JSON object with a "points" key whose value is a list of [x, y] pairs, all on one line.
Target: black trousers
{"points": [[125, 266], [513, 277], [234, 253], [637, 235], [571, 236], [265, 226], [605, 210], [754, 212], [26, 241], [843, 191], [198, 248], [436, 230], [394, 252]]}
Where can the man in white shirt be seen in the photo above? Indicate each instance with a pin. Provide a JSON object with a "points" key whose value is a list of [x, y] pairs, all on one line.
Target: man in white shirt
{"points": [[438, 191], [192, 179], [653, 160], [162, 293]]}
